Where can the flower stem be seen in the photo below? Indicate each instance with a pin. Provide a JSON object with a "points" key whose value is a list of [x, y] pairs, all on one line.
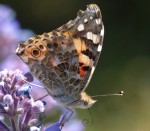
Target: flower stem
{"points": [[13, 124]]}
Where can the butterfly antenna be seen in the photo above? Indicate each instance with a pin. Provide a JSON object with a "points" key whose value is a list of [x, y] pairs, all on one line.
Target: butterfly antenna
{"points": [[115, 94], [33, 84], [86, 122]]}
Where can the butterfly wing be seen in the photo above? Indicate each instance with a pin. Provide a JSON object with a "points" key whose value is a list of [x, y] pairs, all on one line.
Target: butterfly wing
{"points": [[64, 59]]}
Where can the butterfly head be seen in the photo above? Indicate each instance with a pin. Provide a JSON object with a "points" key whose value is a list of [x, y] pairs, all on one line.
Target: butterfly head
{"points": [[84, 101], [87, 101]]}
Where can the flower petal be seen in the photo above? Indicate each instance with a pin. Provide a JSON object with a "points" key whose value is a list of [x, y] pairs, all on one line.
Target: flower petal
{"points": [[54, 127]]}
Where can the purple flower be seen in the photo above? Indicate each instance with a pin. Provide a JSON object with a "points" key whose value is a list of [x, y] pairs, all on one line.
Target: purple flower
{"points": [[57, 126], [16, 101], [54, 127], [8, 100], [74, 125]]}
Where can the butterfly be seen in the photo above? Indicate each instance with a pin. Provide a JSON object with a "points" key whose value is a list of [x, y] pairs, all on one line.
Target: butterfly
{"points": [[64, 59]]}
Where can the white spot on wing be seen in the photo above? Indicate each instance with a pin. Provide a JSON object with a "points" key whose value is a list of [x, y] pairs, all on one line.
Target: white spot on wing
{"points": [[91, 17], [81, 27], [99, 48], [95, 38], [98, 21], [89, 35], [85, 20], [102, 31]]}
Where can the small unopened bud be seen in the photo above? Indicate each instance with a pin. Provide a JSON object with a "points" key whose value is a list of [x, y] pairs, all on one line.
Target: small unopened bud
{"points": [[20, 110], [7, 99], [34, 128], [33, 122], [38, 106], [28, 103], [6, 108]]}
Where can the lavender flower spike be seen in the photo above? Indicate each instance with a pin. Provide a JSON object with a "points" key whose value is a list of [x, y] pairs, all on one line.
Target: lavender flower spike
{"points": [[17, 102]]}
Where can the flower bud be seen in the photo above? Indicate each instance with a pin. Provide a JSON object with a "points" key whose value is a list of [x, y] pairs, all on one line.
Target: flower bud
{"points": [[34, 128], [20, 110], [33, 122], [38, 106], [7, 99]]}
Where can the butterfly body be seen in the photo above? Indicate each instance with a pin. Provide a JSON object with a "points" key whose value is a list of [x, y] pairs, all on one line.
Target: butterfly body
{"points": [[64, 59]]}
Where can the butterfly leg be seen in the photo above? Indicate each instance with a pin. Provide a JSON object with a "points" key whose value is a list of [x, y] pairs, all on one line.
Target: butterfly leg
{"points": [[69, 110]]}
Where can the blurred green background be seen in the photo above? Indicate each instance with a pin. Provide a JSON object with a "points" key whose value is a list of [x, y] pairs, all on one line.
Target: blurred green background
{"points": [[124, 63]]}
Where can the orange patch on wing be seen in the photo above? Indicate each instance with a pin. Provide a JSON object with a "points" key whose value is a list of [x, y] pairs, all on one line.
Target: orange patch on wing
{"points": [[84, 59], [68, 33], [83, 46], [79, 45], [82, 72]]}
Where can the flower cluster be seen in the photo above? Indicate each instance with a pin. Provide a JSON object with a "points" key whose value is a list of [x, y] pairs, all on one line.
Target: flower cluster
{"points": [[18, 106], [16, 103]]}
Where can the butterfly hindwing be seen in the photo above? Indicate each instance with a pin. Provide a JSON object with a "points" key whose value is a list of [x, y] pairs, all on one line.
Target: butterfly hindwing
{"points": [[87, 31]]}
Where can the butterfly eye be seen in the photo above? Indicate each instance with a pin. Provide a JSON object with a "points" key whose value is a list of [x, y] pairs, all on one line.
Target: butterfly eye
{"points": [[35, 52]]}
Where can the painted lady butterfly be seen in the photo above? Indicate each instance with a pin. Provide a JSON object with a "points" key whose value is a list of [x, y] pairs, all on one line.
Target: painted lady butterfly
{"points": [[64, 60]]}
